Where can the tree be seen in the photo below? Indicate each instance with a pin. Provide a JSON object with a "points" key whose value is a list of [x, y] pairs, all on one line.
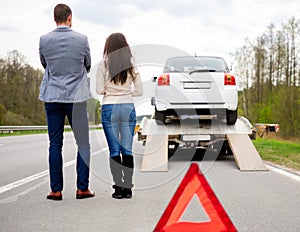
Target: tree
{"points": [[273, 94], [19, 90]]}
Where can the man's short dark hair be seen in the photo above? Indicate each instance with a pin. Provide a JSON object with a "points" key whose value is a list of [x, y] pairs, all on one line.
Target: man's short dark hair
{"points": [[61, 13]]}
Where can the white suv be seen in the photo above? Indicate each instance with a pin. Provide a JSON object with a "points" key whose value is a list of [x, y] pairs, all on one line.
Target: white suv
{"points": [[200, 85]]}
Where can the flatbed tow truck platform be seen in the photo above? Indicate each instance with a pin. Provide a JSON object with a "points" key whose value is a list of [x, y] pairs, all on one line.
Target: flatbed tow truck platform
{"points": [[160, 139]]}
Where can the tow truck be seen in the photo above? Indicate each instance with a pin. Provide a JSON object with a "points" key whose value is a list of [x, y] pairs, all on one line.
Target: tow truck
{"points": [[162, 140]]}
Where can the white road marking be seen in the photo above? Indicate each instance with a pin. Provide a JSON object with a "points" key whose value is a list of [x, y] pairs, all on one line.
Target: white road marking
{"points": [[29, 179], [13, 198], [26, 180], [284, 173]]}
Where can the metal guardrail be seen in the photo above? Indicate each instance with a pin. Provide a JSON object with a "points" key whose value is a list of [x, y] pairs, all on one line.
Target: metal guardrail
{"points": [[11, 129]]}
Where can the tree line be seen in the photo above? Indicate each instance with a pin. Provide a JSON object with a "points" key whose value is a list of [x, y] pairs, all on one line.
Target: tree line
{"points": [[19, 91], [269, 71]]}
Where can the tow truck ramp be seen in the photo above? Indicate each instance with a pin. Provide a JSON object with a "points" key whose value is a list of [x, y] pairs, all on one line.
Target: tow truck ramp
{"points": [[244, 153], [157, 138]]}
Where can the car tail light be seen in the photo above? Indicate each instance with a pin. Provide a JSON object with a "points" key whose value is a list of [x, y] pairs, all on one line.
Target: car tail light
{"points": [[164, 79], [229, 79]]}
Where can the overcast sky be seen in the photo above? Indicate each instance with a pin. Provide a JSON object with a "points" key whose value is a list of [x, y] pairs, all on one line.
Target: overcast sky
{"points": [[205, 27]]}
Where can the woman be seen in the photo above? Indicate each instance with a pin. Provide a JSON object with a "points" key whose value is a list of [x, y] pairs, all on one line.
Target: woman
{"points": [[115, 76]]}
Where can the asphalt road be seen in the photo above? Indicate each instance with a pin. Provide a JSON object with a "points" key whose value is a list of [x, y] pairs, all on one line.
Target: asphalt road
{"points": [[254, 201]]}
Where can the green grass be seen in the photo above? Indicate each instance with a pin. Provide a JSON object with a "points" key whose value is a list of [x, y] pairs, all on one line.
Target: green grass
{"points": [[280, 152], [15, 133], [33, 132]]}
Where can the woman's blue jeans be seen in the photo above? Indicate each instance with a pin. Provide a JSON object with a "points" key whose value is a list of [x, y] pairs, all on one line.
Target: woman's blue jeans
{"points": [[77, 117], [118, 121]]}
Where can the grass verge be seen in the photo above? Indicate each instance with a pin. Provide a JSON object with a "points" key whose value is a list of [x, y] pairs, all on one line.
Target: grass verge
{"points": [[16, 133], [279, 152]]}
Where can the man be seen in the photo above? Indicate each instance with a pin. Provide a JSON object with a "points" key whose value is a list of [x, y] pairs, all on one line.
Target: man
{"points": [[65, 55]]}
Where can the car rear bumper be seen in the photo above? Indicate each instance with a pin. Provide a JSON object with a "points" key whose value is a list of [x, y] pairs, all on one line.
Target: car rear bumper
{"points": [[169, 98], [162, 105]]}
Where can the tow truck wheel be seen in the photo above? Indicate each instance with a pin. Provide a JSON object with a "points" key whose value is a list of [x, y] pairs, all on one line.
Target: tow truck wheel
{"points": [[172, 147], [160, 116], [225, 149]]}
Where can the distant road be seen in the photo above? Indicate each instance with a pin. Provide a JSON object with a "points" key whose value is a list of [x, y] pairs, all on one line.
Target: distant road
{"points": [[255, 201]]}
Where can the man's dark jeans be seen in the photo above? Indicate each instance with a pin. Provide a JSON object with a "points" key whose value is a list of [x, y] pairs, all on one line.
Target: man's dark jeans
{"points": [[78, 119]]}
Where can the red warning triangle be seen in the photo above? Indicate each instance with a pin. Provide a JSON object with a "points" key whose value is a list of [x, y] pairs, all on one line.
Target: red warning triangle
{"points": [[193, 183]]}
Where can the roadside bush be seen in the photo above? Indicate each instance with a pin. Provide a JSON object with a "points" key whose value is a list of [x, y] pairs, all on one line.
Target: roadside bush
{"points": [[2, 114], [13, 119]]}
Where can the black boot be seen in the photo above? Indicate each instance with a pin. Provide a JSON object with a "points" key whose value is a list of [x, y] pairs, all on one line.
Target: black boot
{"points": [[116, 171], [128, 166], [118, 194]]}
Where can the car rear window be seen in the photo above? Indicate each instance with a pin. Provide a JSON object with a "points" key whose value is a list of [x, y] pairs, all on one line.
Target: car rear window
{"points": [[188, 64]]}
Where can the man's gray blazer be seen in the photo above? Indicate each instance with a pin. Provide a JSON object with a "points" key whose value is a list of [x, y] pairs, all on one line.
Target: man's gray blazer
{"points": [[65, 55]]}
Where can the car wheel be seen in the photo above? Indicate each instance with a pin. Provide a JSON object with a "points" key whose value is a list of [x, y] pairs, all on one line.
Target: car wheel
{"points": [[160, 116], [231, 117]]}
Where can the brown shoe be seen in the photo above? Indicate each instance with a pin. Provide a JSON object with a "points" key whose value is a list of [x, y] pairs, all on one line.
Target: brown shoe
{"points": [[84, 194], [56, 196]]}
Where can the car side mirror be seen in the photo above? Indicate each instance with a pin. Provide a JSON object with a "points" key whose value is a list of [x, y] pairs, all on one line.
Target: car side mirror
{"points": [[154, 79]]}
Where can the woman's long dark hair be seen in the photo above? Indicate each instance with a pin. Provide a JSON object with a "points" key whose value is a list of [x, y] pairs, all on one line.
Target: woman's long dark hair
{"points": [[119, 56]]}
